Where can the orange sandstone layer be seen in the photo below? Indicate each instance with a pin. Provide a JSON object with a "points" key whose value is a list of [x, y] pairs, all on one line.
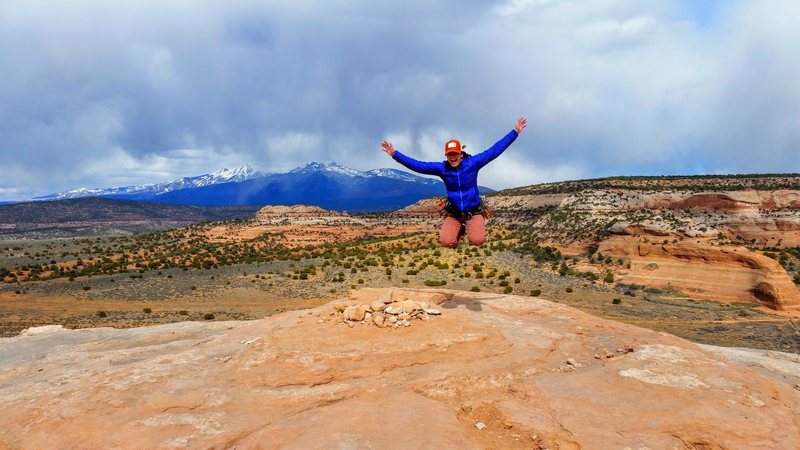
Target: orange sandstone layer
{"points": [[706, 272], [492, 371]]}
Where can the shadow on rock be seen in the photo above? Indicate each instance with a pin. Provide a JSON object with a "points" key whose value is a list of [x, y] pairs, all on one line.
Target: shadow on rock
{"points": [[470, 303]]}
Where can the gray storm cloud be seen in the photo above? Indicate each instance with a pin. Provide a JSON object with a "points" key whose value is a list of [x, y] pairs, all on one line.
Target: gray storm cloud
{"points": [[102, 94]]}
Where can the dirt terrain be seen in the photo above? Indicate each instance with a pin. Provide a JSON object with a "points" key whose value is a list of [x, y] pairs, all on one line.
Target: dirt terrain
{"points": [[668, 259], [259, 289]]}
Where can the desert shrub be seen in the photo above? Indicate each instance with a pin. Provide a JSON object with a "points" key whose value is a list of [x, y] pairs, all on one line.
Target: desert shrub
{"points": [[360, 281], [569, 289], [147, 310], [101, 314], [536, 292], [208, 316], [475, 289], [616, 301], [194, 288], [86, 288], [435, 282], [183, 312], [517, 281], [609, 278], [508, 290]]}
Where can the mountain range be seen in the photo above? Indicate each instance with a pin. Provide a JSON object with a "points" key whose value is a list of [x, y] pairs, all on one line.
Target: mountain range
{"points": [[327, 185]]}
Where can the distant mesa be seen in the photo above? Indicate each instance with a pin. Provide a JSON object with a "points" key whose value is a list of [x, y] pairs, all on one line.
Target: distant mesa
{"points": [[295, 210]]}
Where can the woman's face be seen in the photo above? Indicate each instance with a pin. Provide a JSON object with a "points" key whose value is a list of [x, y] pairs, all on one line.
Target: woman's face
{"points": [[454, 159]]}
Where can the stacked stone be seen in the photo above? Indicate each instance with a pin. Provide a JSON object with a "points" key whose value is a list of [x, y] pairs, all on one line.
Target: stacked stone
{"points": [[385, 312]]}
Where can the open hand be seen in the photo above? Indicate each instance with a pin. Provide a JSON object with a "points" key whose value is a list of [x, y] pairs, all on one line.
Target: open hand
{"points": [[388, 148], [521, 124]]}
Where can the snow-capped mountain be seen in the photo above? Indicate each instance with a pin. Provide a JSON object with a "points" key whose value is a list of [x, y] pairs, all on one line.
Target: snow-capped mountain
{"points": [[328, 185], [331, 167], [241, 173]]}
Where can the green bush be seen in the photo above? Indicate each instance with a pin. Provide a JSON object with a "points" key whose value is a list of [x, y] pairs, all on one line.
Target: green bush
{"points": [[508, 290], [609, 278], [536, 292], [183, 312], [569, 289], [475, 289], [616, 301], [101, 314], [147, 310], [208, 316], [435, 283]]}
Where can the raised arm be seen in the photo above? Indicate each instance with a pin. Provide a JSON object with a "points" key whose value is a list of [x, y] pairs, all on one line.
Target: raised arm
{"points": [[486, 156], [428, 168]]}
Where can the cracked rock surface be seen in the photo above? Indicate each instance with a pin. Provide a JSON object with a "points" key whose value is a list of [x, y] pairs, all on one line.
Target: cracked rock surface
{"points": [[535, 374]]}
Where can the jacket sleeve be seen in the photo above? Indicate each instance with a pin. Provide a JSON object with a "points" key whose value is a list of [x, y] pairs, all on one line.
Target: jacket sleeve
{"points": [[486, 156], [428, 168]]}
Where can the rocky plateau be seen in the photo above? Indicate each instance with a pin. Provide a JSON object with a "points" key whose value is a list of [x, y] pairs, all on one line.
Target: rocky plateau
{"points": [[707, 244], [478, 371]]}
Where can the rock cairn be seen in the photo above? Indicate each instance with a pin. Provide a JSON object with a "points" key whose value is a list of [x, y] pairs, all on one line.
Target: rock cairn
{"points": [[386, 311]]}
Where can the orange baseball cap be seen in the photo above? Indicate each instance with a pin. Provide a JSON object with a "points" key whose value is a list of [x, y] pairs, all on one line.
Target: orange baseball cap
{"points": [[452, 146]]}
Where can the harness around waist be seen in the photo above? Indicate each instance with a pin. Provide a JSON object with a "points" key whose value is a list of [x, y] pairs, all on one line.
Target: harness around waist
{"points": [[448, 209]]}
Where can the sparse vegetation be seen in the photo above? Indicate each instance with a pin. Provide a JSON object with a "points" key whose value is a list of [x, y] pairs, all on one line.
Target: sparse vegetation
{"points": [[609, 278]]}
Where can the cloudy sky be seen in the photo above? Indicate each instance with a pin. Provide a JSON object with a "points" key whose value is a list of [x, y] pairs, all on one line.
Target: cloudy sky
{"points": [[97, 94]]}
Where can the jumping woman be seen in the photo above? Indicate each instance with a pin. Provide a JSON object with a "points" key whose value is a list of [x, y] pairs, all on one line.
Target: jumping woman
{"points": [[464, 210]]}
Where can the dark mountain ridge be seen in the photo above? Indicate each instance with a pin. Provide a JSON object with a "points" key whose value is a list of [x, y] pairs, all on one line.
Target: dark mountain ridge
{"points": [[97, 215]]}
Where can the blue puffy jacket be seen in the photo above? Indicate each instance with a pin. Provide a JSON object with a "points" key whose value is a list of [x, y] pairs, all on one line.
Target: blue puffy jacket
{"points": [[461, 182]]}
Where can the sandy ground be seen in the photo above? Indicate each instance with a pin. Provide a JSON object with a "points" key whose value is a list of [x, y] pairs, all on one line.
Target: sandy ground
{"points": [[18, 312]]}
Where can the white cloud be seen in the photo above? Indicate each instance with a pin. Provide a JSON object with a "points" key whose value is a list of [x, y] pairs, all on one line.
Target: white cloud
{"points": [[609, 87]]}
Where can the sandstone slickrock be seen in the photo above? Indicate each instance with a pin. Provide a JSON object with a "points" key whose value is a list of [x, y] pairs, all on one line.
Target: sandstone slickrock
{"points": [[705, 272], [490, 359]]}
